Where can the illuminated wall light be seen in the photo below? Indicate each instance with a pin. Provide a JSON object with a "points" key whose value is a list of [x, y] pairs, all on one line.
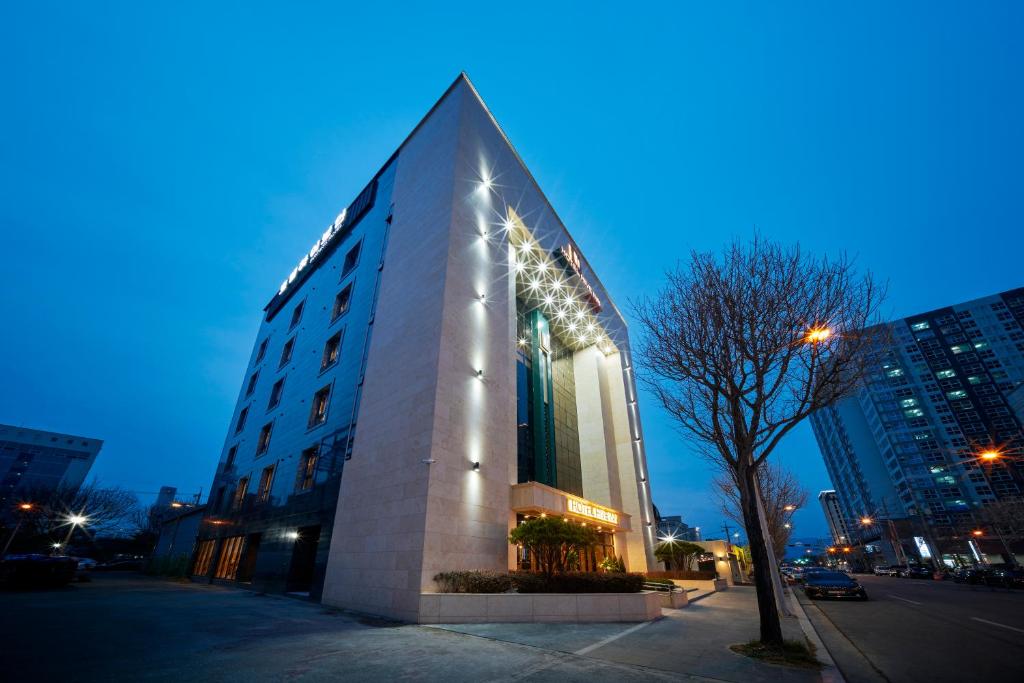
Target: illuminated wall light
{"points": [[522, 342], [293, 535], [476, 466], [482, 298], [549, 300], [535, 285], [479, 374]]}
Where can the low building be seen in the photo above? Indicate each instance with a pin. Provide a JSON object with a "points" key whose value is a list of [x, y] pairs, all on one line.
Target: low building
{"points": [[726, 559]]}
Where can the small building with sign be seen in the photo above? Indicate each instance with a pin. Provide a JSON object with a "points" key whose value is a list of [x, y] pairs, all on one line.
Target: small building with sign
{"points": [[442, 364]]}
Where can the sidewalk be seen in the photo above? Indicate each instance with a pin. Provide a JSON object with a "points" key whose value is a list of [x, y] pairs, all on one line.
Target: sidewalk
{"points": [[693, 641]]}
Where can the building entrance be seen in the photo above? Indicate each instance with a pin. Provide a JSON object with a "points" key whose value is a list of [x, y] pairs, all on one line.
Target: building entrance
{"points": [[300, 572]]}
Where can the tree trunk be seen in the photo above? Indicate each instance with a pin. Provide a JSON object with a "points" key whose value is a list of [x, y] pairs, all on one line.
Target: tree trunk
{"points": [[771, 627]]}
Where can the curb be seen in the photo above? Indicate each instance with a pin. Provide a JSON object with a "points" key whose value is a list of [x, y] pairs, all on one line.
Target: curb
{"points": [[829, 672]]}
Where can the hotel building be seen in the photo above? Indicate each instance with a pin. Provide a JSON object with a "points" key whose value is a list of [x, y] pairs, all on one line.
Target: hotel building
{"points": [[932, 437], [442, 364]]}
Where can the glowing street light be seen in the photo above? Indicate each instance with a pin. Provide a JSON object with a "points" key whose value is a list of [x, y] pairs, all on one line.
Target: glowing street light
{"points": [[78, 520], [789, 508], [816, 335], [977, 532], [990, 455], [866, 521]]}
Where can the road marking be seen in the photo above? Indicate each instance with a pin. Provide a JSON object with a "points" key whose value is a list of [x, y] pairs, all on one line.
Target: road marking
{"points": [[912, 602], [602, 643], [996, 623]]}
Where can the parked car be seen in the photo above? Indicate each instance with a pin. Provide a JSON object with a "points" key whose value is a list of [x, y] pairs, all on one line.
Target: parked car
{"points": [[807, 572], [86, 563], [970, 575], [826, 584], [37, 571], [916, 571], [1004, 576], [882, 570]]}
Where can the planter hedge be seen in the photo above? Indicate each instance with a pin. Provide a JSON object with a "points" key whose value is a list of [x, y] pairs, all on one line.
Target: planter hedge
{"points": [[529, 582]]}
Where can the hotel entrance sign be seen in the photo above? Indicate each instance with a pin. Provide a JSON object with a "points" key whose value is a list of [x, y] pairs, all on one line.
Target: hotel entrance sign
{"points": [[578, 507]]}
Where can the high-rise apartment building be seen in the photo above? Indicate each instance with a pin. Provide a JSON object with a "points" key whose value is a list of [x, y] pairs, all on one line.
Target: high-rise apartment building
{"points": [[33, 461], [837, 528], [932, 437], [442, 364]]}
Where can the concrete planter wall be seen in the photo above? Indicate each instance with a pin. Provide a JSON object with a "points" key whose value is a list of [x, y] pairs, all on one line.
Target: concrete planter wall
{"points": [[468, 608], [674, 600], [705, 585]]}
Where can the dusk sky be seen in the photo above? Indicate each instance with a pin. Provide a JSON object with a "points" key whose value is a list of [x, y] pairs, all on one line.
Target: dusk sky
{"points": [[162, 170]]}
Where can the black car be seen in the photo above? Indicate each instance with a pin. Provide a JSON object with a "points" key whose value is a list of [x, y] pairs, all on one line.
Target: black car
{"points": [[1006, 576], [970, 575], [915, 571], [833, 585], [37, 571]]}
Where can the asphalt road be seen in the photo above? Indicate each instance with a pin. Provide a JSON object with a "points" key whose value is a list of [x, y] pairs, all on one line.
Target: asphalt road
{"points": [[918, 630]]}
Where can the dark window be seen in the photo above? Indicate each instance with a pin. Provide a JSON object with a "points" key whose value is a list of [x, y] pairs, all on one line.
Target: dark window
{"points": [[275, 393], [252, 383], [341, 302], [297, 315], [264, 441], [218, 501], [332, 349], [231, 457], [318, 412], [351, 259], [240, 493], [307, 469], [241, 419], [286, 352], [262, 351], [266, 482]]}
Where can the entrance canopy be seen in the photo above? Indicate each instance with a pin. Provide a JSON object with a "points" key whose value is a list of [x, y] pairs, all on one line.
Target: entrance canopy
{"points": [[533, 498]]}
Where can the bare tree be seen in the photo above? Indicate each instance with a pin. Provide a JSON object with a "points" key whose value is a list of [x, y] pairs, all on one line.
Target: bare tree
{"points": [[781, 493], [740, 348], [102, 508]]}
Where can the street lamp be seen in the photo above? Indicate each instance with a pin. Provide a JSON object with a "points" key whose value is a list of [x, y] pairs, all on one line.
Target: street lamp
{"points": [[789, 508], [23, 508], [816, 335], [74, 520]]}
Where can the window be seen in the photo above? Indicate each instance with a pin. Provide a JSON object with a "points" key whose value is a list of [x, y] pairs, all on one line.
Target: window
{"points": [[252, 383], [341, 302], [240, 492], [230, 553], [262, 351], [275, 393], [981, 345], [917, 327], [895, 372], [913, 412], [266, 482], [977, 379], [307, 469], [204, 553], [318, 413], [264, 441], [332, 349], [961, 348], [945, 374], [230, 460], [908, 403], [351, 259], [286, 352], [956, 395], [296, 315], [241, 419]]}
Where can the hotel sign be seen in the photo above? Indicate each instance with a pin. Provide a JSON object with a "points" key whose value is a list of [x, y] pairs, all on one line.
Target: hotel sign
{"points": [[584, 509], [570, 258]]}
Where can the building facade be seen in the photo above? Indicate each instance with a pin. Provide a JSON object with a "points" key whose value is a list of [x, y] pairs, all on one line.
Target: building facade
{"points": [[837, 526], [33, 461], [932, 437], [673, 527], [441, 365]]}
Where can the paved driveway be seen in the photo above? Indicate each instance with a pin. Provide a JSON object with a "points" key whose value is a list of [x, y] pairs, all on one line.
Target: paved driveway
{"points": [[133, 628]]}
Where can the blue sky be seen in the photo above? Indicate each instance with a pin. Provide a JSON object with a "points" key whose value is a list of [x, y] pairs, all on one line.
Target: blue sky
{"points": [[163, 168]]}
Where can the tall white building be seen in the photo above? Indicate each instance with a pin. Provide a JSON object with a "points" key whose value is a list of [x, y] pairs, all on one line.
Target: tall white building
{"points": [[837, 526], [442, 364]]}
